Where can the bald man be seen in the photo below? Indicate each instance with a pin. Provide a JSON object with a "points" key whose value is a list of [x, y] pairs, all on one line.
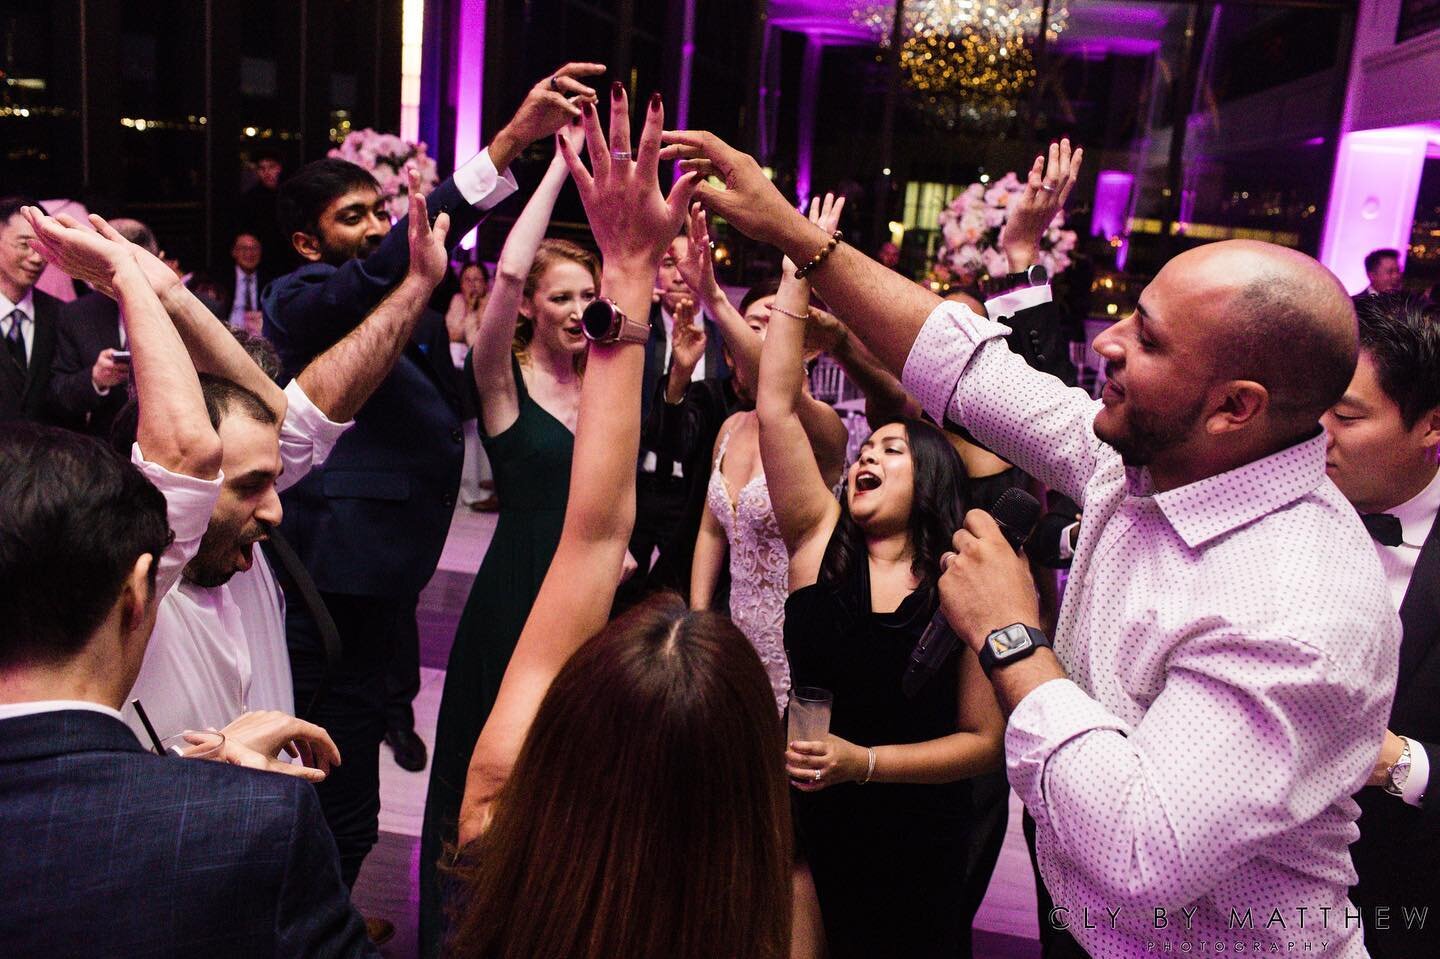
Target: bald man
{"points": [[1226, 653]]}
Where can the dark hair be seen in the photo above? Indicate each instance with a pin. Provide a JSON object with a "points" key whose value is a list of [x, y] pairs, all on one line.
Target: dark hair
{"points": [[10, 205], [647, 813], [758, 292], [302, 198], [259, 349], [75, 519], [137, 233], [1285, 338], [484, 270], [941, 497], [223, 398], [266, 153], [1402, 335], [1373, 258]]}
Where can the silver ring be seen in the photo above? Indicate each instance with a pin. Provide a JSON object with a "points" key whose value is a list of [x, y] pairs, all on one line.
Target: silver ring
{"points": [[553, 85], [619, 154], [818, 774], [1047, 188]]}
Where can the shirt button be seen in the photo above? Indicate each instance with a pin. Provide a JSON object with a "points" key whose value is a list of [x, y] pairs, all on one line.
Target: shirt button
{"points": [[448, 500], [457, 436]]}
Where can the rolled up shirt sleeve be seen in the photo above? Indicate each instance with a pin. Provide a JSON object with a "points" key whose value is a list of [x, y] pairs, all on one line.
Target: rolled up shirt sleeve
{"points": [[306, 437], [1159, 812], [961, 370], [189, 501], [481, 184]]}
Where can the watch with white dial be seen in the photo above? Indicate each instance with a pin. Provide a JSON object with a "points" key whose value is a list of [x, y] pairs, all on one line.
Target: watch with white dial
{"points": [[1399, 772], [1010, 644]]}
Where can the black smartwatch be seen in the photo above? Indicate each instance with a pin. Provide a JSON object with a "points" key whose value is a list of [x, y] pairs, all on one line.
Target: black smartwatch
{"points": [[602, 322], [1009, 645], [1034, 276]]}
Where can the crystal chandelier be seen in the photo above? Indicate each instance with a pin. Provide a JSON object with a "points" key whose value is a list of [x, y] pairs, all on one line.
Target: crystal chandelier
{"points": [[967, 61]]}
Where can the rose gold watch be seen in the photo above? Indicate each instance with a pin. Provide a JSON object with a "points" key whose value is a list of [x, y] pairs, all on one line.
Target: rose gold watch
{"points": [[602, 322]]}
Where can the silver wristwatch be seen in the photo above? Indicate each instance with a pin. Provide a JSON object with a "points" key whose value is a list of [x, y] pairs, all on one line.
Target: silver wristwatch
{"points": [[1400, 772]]}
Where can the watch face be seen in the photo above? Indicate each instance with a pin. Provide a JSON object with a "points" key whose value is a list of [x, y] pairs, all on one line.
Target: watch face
{"points": [[597, 320], [1008, 641]]}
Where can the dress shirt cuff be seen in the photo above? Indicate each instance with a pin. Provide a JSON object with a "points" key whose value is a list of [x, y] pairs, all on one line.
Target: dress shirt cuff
{"points": [[480, 184], [947, 341], [1419, 778], [98, 390], [306, 437], [1008, 304], [189, 499], [1065, 550], [1052, 715]]}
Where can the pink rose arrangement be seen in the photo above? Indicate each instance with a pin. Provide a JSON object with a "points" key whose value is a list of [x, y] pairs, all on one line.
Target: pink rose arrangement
{"points": [[386, 155], [970, 232]]}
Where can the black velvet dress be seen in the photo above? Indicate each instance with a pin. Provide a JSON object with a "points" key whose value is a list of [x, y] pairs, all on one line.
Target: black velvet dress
{"points": [[888, 859]]}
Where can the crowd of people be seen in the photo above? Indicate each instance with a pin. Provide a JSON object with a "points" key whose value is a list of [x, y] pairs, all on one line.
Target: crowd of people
{"points": [[218, 507]]}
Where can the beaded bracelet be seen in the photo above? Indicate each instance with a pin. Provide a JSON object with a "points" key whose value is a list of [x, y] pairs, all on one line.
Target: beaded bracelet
{"points": [[785, 312], [820, 257]]}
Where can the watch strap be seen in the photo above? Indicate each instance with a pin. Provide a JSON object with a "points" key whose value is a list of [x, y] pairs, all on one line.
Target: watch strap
{"points": [[989, 661]]}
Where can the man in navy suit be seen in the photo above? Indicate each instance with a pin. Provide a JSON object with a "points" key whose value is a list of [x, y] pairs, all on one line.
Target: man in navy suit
{"points": [[371, 523], [1384, 437], [28, 319]]}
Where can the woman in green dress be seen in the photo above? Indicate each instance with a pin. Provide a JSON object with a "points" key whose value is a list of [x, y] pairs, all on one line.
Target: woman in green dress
{"points": [[527, 360]]}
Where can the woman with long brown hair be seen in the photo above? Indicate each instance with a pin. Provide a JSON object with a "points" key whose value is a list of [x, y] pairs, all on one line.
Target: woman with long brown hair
{"points": [[625, 796]]}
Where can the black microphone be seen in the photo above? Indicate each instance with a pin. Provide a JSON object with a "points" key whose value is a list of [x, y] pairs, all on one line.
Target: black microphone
{"points": [[1016, 512]]}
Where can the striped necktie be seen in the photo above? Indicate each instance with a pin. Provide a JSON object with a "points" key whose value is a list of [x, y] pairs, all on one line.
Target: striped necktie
{"points": [[15, 339]]}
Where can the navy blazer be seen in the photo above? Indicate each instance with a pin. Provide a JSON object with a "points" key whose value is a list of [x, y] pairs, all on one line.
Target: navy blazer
{"points": [[372, 521], [657, 369], [88, 325], [112, 851], [24, 394]]}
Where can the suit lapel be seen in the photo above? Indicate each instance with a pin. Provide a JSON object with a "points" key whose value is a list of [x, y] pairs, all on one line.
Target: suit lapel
{"points": [[1420, 610]]}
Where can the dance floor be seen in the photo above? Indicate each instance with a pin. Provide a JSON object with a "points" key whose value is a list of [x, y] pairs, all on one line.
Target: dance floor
{"points": [[1004, 929]]}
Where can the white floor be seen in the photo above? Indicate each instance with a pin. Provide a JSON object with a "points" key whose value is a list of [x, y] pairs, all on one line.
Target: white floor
{"points": [[1009, 906]]}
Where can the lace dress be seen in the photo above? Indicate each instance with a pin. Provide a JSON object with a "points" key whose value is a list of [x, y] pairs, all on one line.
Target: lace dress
{"points": [[759, 570]]}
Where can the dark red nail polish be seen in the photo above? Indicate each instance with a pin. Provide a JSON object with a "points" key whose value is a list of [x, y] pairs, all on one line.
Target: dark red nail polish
{"points": [[655, 100], [616, 89]]}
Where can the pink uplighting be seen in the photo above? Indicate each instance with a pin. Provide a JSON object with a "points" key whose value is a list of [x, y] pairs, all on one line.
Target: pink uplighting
{"points": [[469, 83], [1372, 197]]}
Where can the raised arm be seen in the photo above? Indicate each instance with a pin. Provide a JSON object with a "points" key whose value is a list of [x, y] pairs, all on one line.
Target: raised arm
{"points": [[341, 379], [312, 310], [174, 429], [499, 401], [632, 224], [697, 268], [805, 509], [211, 346]]}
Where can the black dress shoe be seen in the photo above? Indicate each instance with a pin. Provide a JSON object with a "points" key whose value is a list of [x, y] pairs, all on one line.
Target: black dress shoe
{"points": [[409, 749]]}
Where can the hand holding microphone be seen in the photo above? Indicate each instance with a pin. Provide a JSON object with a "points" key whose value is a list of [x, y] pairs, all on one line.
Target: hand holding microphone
{"points": [[985, 584]]}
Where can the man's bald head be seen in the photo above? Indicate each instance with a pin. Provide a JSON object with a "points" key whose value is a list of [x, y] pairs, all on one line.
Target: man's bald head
{"points": [[137, 233], [1279, 318]]}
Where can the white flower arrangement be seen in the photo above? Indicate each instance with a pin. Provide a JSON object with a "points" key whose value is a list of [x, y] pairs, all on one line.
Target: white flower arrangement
{"points": [[386, 155], [970, 232]]}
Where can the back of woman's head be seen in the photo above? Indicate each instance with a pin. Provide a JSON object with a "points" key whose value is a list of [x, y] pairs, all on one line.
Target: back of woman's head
{"points": [[940, 498], [647, 813]]}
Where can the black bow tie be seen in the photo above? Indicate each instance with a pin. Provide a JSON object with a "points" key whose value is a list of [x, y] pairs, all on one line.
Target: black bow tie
{"points": [[1383, 528]]}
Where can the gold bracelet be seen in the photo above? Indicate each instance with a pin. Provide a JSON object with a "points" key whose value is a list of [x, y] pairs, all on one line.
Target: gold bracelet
{"points": [[785, 312], [820, 257]]}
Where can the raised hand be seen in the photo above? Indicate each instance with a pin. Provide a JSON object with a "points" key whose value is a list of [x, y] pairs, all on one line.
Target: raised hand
{"points": [[697, 266], [688, 339], [748, 199], [824, 213], [1046, 189], [550, 104], [78, 251], [631, 221], [428, 257]]}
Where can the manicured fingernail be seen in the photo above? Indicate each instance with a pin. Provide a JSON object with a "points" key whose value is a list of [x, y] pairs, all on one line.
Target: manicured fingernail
{"points": [[655, 100], [616, 89]]}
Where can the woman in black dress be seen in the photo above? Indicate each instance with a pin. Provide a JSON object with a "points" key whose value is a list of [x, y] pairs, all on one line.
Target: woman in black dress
{"points": [[880, 804]]}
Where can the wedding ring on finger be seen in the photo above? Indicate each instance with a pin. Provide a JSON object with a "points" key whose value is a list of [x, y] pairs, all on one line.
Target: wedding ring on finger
{"points": [[619, 154], [1047, 188], [554, 86]]}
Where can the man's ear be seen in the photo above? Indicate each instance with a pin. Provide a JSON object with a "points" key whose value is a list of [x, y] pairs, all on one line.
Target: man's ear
{"points": [[1240, 404], [307, 245], [136, 595]]}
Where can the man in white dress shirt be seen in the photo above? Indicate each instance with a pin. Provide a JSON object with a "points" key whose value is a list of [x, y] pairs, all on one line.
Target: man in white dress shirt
{"points": [[1226, 652], [218, 648], [1384, 434], [246, 283]]}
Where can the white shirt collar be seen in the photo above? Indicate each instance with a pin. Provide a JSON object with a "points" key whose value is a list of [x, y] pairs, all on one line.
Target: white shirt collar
{"points": [[14, 710], [1417, 514], [26, 305]]}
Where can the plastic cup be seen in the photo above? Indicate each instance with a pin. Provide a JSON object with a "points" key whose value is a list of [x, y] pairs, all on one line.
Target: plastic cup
{"points": [[809, 719], [196, 744]]}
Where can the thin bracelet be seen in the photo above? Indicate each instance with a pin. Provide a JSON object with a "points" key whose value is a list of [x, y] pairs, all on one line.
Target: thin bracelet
{"points": [[820, 257], [794, 316], [871, 770]]}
